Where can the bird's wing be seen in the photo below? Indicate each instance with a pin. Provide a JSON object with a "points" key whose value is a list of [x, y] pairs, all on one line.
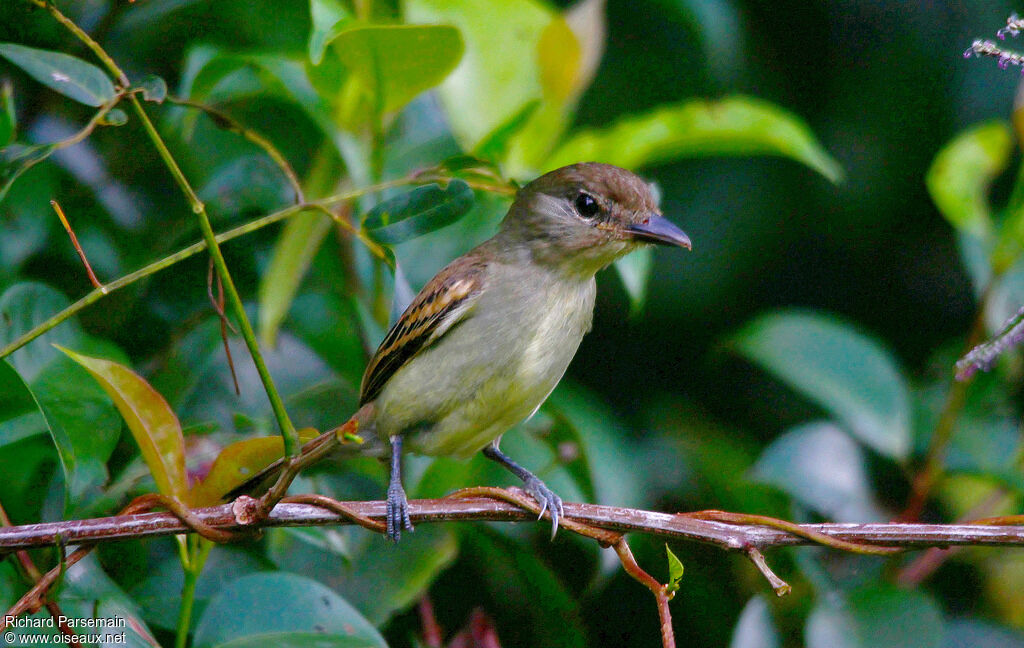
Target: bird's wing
{"points": [[444, 301]]}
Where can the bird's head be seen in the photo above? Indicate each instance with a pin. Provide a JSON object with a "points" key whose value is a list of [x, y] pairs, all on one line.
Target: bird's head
{"points": [[584, 216]]}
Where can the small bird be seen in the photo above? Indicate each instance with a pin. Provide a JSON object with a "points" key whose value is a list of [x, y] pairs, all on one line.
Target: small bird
{"points": [[487, 339]]}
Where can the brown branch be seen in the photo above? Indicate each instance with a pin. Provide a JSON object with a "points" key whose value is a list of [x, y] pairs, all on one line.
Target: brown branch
{"points": [[735, 537], [34, 575]]}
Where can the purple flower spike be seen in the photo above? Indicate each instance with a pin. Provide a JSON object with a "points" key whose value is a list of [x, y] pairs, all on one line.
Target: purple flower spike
{"points": [[1004, 62]]}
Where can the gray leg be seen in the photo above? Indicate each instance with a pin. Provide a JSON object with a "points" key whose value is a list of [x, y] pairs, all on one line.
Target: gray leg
{"points": [[398, 505], [547, 498]]}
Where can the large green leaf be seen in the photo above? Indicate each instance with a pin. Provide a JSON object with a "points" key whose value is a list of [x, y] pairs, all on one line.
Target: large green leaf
{"points": [[293, 253], [19, 414], [534, 599], [495, 79], [150, 419], [298, 640], [397, 62], [960, 174], [25, 305], [270, 603], [84, 425], [877, 615], [419, 211], [329, 18], [378, 584], [824, 469], [599, 437], [16, 160], [846, 372], [732, 126], [70, 76], [158, 592]]}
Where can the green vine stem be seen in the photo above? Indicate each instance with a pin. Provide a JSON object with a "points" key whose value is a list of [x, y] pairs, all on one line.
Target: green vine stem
{"points": [[288, 433], [199, 550]]}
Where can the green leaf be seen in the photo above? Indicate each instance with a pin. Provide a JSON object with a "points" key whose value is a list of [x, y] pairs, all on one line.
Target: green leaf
{"points": [[418, 212], [215, 76], [238, 462], [397, 62], [515, 575], [733, 126], [495, 145], [270, 603], [84, 426], [8, 118], [150, 419], [329, 18], [16, 160], [22, 307], [599, 436], [158, 591], [877, 615], [298, 640], [496, 77], [70, 76], [755, 628], [293, 253], [116, 117], [19, 415], [634, 270], [377, 584], [154, 88], [846, 372], [960, 174], [675, 570], [820, 466]]}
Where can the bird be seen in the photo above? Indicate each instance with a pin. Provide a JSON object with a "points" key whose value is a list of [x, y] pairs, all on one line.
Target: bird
{"points": [[485, 341]]}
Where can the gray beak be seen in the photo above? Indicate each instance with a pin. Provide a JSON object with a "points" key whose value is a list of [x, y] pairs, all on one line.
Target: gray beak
{"points": [[659, 230]]}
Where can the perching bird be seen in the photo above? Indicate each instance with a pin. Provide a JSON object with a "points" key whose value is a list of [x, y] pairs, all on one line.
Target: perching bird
{"points": [[487, 339]]}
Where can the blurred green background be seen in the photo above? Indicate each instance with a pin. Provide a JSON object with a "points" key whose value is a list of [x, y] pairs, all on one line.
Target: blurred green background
{"points": [[693, 396]]}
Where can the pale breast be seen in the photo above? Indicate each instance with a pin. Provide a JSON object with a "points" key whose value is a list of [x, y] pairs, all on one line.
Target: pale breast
{"points": [[493, 370]]}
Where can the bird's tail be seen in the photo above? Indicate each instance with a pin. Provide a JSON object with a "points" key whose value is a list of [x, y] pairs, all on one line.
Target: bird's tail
{"points": [[349, 439]]}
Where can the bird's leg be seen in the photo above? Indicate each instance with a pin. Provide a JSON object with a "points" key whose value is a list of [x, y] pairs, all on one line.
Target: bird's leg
{"points": [[398, 505], [546, 497]]}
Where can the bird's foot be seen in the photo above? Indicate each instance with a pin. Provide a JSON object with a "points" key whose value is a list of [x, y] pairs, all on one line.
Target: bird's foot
{"points": [[547, 499], [397, 512]]}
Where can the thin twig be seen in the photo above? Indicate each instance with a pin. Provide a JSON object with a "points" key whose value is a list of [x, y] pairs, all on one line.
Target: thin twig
{"points": [[661, 593], [186, 253], [225, 324], [227, 122], [78, 248], [34, 575], [780, 586]]}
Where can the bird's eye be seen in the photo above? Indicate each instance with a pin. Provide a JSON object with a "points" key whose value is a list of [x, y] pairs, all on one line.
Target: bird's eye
{"points": [[586, 205]]}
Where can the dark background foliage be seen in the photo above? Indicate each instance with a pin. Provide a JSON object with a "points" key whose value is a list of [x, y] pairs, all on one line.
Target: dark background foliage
{"points": [[682, 415]]}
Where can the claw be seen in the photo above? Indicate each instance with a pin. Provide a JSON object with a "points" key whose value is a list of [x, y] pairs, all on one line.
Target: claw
{"points": [[397, 513], [550, 503]]}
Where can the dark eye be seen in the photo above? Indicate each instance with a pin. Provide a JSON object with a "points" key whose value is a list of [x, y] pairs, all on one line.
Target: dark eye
{"points": [[586, 205]]}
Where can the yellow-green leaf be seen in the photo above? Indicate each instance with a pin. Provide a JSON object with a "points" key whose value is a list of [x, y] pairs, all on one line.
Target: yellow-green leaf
{"points": [[238, 462], [675, 570], [495, 79], [700, 128], [155, 427], [959, 177], [397, 62]]}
